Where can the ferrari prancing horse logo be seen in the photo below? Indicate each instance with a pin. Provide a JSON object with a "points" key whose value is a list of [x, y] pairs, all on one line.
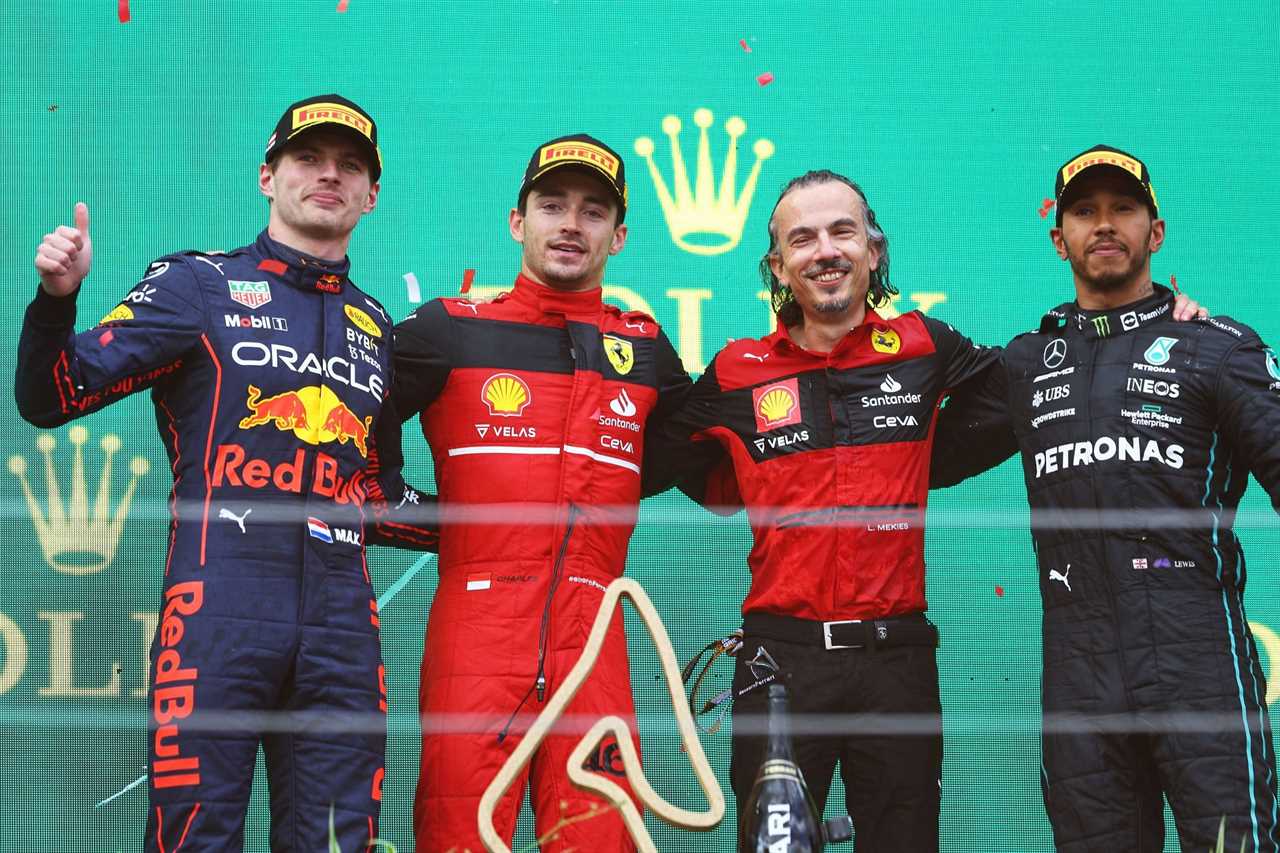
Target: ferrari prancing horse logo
{"points": [[620, 354]]}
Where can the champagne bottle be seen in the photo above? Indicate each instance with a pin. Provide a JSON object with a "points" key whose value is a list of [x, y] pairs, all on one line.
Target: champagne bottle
{"points": [[780, 816]]}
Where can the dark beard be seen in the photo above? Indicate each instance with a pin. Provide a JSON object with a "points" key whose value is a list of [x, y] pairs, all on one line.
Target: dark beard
{"points": [[834, 306], [1110, 282]]}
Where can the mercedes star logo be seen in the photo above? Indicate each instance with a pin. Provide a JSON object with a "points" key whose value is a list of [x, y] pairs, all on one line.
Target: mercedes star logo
{"points": [[1055, 353]]}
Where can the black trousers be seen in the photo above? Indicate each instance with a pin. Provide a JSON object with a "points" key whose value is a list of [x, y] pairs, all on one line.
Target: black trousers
{"points": [[893, 778]]}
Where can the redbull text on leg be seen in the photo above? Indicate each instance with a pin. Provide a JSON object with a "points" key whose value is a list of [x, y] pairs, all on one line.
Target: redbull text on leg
{"points": [[174, 690]]}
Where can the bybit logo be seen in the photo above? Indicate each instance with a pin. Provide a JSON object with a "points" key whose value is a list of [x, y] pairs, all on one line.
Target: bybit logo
{"points": [[702, 220], [74, 539]]}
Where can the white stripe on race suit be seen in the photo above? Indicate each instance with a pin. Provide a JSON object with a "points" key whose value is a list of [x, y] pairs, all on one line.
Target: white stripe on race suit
{"points": [[475, 449], [600, 457]]}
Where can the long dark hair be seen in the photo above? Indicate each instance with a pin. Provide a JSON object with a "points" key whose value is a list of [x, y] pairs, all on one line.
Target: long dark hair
{"points": [[781, 298]]}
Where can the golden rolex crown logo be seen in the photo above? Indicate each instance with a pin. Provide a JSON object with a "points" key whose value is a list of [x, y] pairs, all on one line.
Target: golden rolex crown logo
{"points": [[702, 219], [77, 539]]}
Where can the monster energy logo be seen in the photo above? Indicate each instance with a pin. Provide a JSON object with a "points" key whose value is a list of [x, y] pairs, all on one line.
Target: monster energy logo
{"points": [[1102, 325]]}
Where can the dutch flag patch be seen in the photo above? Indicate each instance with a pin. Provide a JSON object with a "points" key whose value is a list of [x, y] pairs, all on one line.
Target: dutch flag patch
{"points": [[319, 530]]}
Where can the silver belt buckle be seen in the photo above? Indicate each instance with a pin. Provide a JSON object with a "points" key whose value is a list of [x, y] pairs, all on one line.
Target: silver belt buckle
{"points": [[826, 634]]}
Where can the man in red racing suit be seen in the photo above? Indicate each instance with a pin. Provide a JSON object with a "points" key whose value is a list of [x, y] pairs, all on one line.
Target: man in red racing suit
{"points": [[537, 406]]}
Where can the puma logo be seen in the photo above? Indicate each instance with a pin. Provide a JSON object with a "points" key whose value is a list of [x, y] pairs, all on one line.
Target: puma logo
{"points": [[637, 326], [759, 358], [238, 519], [1055, 575]]}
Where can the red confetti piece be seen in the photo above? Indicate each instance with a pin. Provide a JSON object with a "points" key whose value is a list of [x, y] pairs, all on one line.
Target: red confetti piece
{"points": [[468, 276], [1173, 282], [744, 44], [765, 79], [122, 10], [342, 5], [999, 591], [106, 338], [1045, 207]]}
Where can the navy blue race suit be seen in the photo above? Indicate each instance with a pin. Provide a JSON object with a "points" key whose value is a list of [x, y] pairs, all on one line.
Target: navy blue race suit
{"points": [[268, 370]]}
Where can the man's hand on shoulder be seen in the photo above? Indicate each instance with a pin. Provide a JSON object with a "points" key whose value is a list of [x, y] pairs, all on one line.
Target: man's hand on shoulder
{"points": [[1185, 308], [64, 256]]}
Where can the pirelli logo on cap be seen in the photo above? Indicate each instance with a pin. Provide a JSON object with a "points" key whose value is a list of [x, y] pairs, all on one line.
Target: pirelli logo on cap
{"points": [[304, 117], [1095, 158], [582, 152]]}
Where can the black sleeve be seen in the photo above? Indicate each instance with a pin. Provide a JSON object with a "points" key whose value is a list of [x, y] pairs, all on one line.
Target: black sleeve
{"points": [[975, 430], [961, 359], [1248, 403], [62, 376], [398, 515], [422, 343], [675, 457], [402, 516]]}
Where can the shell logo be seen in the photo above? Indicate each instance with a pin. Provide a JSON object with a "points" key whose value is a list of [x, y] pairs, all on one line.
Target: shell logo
{"points": [[776, 404], [506, 395], [118, 314]]}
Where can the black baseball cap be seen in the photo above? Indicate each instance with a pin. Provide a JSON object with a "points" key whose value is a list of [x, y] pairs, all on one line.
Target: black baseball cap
{"points": [[582, 152], [1114, 158], [323, 110]]}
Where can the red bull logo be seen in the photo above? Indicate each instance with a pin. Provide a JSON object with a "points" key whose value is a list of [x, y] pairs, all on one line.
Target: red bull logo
{"points": [[314, 414], [174, 694]]}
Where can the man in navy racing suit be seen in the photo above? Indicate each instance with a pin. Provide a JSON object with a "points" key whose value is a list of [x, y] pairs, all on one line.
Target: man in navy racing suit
{"points": [[268, 370]]}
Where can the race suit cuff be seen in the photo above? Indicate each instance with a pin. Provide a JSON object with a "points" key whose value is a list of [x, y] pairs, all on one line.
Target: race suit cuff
{"points": [[53, 311]]}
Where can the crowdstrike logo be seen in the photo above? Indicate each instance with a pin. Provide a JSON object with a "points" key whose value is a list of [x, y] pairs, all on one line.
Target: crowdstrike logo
{"points": [[891, 387], [1104, 449]]}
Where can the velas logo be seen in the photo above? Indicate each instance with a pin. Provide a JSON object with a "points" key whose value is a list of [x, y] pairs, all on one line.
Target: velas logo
{"points": [[118, 314], [74, 538], [885, 341], [362, 321], [704, 219], [621, 354], [250, 294], [776, 405], [582, 152], [304, 117], [1158, 352], [1096, 158], [314, 414], [506, 395]]}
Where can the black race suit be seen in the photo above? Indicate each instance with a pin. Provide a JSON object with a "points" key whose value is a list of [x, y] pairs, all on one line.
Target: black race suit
{"points": [[1138, 435]]}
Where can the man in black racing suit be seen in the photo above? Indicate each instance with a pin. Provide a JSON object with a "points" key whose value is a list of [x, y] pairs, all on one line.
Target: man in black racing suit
{"points": [[1137, 435], [268, 369]]}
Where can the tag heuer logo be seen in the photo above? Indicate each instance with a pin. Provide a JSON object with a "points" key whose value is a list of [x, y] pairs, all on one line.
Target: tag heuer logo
{"points": [[250, 294]]}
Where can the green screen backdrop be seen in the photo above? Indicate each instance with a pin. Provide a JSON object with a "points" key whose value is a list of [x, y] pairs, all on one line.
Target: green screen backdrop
{"points": [[953, 117]]}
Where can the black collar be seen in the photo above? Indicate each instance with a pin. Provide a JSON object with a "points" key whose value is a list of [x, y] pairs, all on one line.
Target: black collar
{"points": [[1116, 321], [303, 271]]}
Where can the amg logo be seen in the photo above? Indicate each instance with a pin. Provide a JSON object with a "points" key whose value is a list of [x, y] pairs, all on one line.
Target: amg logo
{"points": [[236, 321]]}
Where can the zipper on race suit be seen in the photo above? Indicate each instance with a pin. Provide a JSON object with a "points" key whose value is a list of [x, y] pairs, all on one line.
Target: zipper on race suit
{"points": [[540, 682]]}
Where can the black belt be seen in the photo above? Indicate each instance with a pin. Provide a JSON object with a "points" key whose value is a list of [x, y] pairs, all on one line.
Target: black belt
{"points": [[912, 629]]}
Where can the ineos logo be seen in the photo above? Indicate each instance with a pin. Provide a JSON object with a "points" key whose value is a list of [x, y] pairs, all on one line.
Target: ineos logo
{"points": [[1055, 353]]}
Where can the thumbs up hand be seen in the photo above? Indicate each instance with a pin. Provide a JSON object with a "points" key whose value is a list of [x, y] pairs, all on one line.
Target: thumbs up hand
{"points": [[63, 257]]}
